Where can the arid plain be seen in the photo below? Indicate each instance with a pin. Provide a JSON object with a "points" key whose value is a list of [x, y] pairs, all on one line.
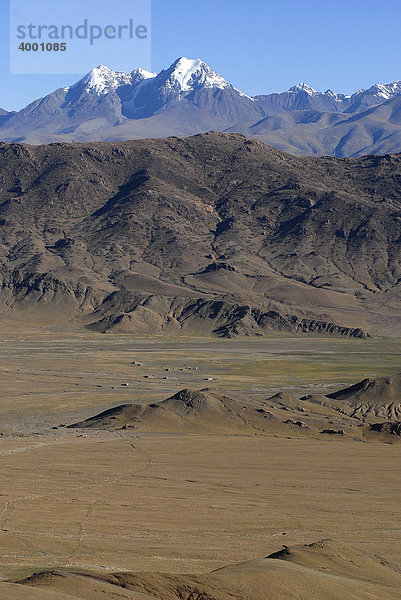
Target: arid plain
{"points": [[121, 500]]}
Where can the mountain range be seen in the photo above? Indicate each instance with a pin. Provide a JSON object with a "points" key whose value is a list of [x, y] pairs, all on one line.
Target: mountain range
{"points": [[189, 98], [214, 233]]}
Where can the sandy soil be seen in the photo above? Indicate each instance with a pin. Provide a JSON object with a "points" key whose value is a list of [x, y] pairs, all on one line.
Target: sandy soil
{"points": [[121, 501]]}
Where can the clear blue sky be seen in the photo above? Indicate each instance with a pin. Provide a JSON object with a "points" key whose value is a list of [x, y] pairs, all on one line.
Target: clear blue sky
{"points": [[260, 46]]}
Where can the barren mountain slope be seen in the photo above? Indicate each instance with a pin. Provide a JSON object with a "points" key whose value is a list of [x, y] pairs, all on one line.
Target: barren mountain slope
{"points": [[211, 233]]}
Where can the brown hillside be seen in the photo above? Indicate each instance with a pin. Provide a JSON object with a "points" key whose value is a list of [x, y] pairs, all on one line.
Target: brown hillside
{"points": [[210, 234], [379, 397]]}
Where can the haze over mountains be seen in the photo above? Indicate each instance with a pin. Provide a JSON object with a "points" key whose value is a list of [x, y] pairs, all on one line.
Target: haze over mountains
{"points": [[213, 233], [189, 98]]}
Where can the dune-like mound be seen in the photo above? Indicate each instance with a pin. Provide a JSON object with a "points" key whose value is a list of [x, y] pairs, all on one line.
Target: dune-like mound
{"points": [[379, 397], [322, 571], [191, 410]]}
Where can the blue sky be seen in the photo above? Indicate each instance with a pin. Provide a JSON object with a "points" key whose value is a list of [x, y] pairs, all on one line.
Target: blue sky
{"points": [[260, 46]]}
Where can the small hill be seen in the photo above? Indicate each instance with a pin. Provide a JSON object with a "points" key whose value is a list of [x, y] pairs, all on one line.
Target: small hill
{"points": [[379, 397], [191, 410]]}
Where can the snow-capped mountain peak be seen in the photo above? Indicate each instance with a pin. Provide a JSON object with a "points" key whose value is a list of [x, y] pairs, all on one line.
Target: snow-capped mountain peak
{"points": [[187, 73], [184, 75], [102, 80], [303, 87], [386, 90]]}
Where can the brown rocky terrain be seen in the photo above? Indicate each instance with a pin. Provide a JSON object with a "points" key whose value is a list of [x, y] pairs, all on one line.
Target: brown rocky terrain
{"points": [[214, 233]]}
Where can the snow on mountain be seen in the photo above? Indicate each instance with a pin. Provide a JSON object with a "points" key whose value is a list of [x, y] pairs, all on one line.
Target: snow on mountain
{"points": [[385, 90], [183, 76], [189, 97], [303, 87], [140, 75], [187, 74], [335, 96], [191, 84], [101, 80]]}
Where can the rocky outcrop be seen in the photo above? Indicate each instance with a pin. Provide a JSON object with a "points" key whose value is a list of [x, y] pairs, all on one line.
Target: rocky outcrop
{"points": [[156, 314], [391, 428], [333, 432]]}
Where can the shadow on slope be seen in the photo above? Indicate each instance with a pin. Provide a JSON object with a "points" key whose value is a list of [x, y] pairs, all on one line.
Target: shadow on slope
{"points": [[379, 397]]}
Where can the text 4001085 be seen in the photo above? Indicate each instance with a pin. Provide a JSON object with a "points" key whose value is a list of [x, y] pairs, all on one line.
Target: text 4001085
{"points": [[49, 47]]}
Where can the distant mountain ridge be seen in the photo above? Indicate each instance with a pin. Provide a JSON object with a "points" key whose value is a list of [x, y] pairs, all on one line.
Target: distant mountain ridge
{"points": [[189, 97]]}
